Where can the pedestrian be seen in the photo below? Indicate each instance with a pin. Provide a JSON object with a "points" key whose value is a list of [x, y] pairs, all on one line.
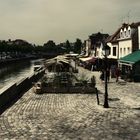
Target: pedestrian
{"points": [[108, 74], [93, 81], [117, 74], [102, 75], [130, 75]]}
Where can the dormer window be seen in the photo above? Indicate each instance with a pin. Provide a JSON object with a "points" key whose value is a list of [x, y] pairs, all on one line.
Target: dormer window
{"points": [[129, 31], [121, 33], [125, 34]]}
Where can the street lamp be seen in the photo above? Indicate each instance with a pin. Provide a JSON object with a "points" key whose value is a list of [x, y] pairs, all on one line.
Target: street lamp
{"points": [[75, 63], [106, 51]]}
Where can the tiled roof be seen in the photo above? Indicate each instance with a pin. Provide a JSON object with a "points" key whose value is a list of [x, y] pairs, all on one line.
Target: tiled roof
{"points": [[115, 36], [132, 25], [135, 25]]}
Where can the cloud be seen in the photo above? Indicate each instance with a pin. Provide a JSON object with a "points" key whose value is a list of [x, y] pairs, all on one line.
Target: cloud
{"points": [[40, 20]]}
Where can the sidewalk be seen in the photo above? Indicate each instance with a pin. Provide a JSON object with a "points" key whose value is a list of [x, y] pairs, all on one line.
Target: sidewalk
{"points": [[127, 92], [75, 116]]}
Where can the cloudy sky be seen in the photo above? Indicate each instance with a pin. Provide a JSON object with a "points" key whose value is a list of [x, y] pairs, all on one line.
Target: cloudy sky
{"points": [[38, 21]]}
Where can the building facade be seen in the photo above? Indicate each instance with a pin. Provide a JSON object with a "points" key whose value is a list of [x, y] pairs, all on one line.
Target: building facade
{"points": [[124, 41]]}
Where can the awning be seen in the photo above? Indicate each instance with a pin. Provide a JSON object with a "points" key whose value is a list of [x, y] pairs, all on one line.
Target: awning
{"points": [[88, 59], [57, 60], [131, 58], [72, 54]]}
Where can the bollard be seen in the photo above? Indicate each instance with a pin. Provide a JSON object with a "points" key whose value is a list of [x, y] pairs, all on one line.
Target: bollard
{"points": [[96, 90]]}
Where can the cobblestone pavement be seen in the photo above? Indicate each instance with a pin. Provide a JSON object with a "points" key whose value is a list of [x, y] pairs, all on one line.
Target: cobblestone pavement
{"points": [[75, 116]]}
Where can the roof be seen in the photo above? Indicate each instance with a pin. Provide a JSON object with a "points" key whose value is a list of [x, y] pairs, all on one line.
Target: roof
{"points": [[135, 25], [131, 58], [114, 38], [57, 60], [72, 54], [132, 25]]}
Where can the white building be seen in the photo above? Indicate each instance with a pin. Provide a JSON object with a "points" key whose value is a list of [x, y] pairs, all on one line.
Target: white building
{"points": [[88, 47], [125, 40]]}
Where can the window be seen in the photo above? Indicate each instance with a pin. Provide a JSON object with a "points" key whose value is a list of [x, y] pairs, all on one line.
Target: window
{"points": [[114, 51], [125, 34], [124, 51], [121, 33], [128, 50], [129, 31], [120, 52]]}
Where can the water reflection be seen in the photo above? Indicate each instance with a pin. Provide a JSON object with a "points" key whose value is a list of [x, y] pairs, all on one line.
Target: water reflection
{"points": [[12, 73]]}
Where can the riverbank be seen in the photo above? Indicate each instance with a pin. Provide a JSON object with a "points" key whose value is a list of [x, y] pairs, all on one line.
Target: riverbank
{"points": [[14, 60], [12, 92]]}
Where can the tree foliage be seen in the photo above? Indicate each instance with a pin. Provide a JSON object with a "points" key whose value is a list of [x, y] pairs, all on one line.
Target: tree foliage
{"points": [[77, 46], [68, 46], [20, 47], [13, 49], [50, 46]]}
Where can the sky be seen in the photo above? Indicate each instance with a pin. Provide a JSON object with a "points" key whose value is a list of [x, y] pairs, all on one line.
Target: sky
{"points": [[38, 21]]}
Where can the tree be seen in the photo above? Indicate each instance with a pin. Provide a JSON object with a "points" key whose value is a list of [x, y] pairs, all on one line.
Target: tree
{"points": [[38, 49], [50, 47], [68, 46], [78, 46], [3, 48]]}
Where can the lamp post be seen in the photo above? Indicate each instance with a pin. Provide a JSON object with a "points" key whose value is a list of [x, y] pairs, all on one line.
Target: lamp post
{"points": [[106, 50], [75, 62]]}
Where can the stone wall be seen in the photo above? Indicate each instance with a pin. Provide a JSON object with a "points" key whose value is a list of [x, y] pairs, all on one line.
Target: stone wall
{"points": [[11, 92], [72, 89]]}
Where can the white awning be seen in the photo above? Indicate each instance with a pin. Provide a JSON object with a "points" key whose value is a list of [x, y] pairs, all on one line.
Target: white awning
{"points": [[84, 59], [72, 54]]}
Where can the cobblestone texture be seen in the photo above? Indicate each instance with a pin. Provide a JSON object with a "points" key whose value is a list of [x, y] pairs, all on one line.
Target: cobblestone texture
{"points": [[75, 116]]}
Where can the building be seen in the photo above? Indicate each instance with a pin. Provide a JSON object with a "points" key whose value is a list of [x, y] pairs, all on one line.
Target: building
{"points": [[112, 42], [125, 49], [96, 43], [92, 46], [124, 41], [130, 66], [93, 50]]}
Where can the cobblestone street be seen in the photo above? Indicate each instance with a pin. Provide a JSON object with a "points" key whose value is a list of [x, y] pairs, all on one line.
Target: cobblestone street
{"points": [[75, 116]]}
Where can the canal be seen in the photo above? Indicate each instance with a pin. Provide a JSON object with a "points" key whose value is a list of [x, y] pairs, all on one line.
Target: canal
{"points": [[14, 72]]}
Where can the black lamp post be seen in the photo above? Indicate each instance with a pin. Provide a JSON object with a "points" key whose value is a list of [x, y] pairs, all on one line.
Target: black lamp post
{"points": [[106, 51], [75, 62]]}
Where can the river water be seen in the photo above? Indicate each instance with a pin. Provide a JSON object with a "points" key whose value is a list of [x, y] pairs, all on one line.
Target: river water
{"points": [[12, 73]]}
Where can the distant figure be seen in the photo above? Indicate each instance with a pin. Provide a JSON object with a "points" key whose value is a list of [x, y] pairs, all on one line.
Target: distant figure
{"points": [[112, 69], [102, 75], [108, 74], [117, 74], [93, 81], [130, 75]]}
